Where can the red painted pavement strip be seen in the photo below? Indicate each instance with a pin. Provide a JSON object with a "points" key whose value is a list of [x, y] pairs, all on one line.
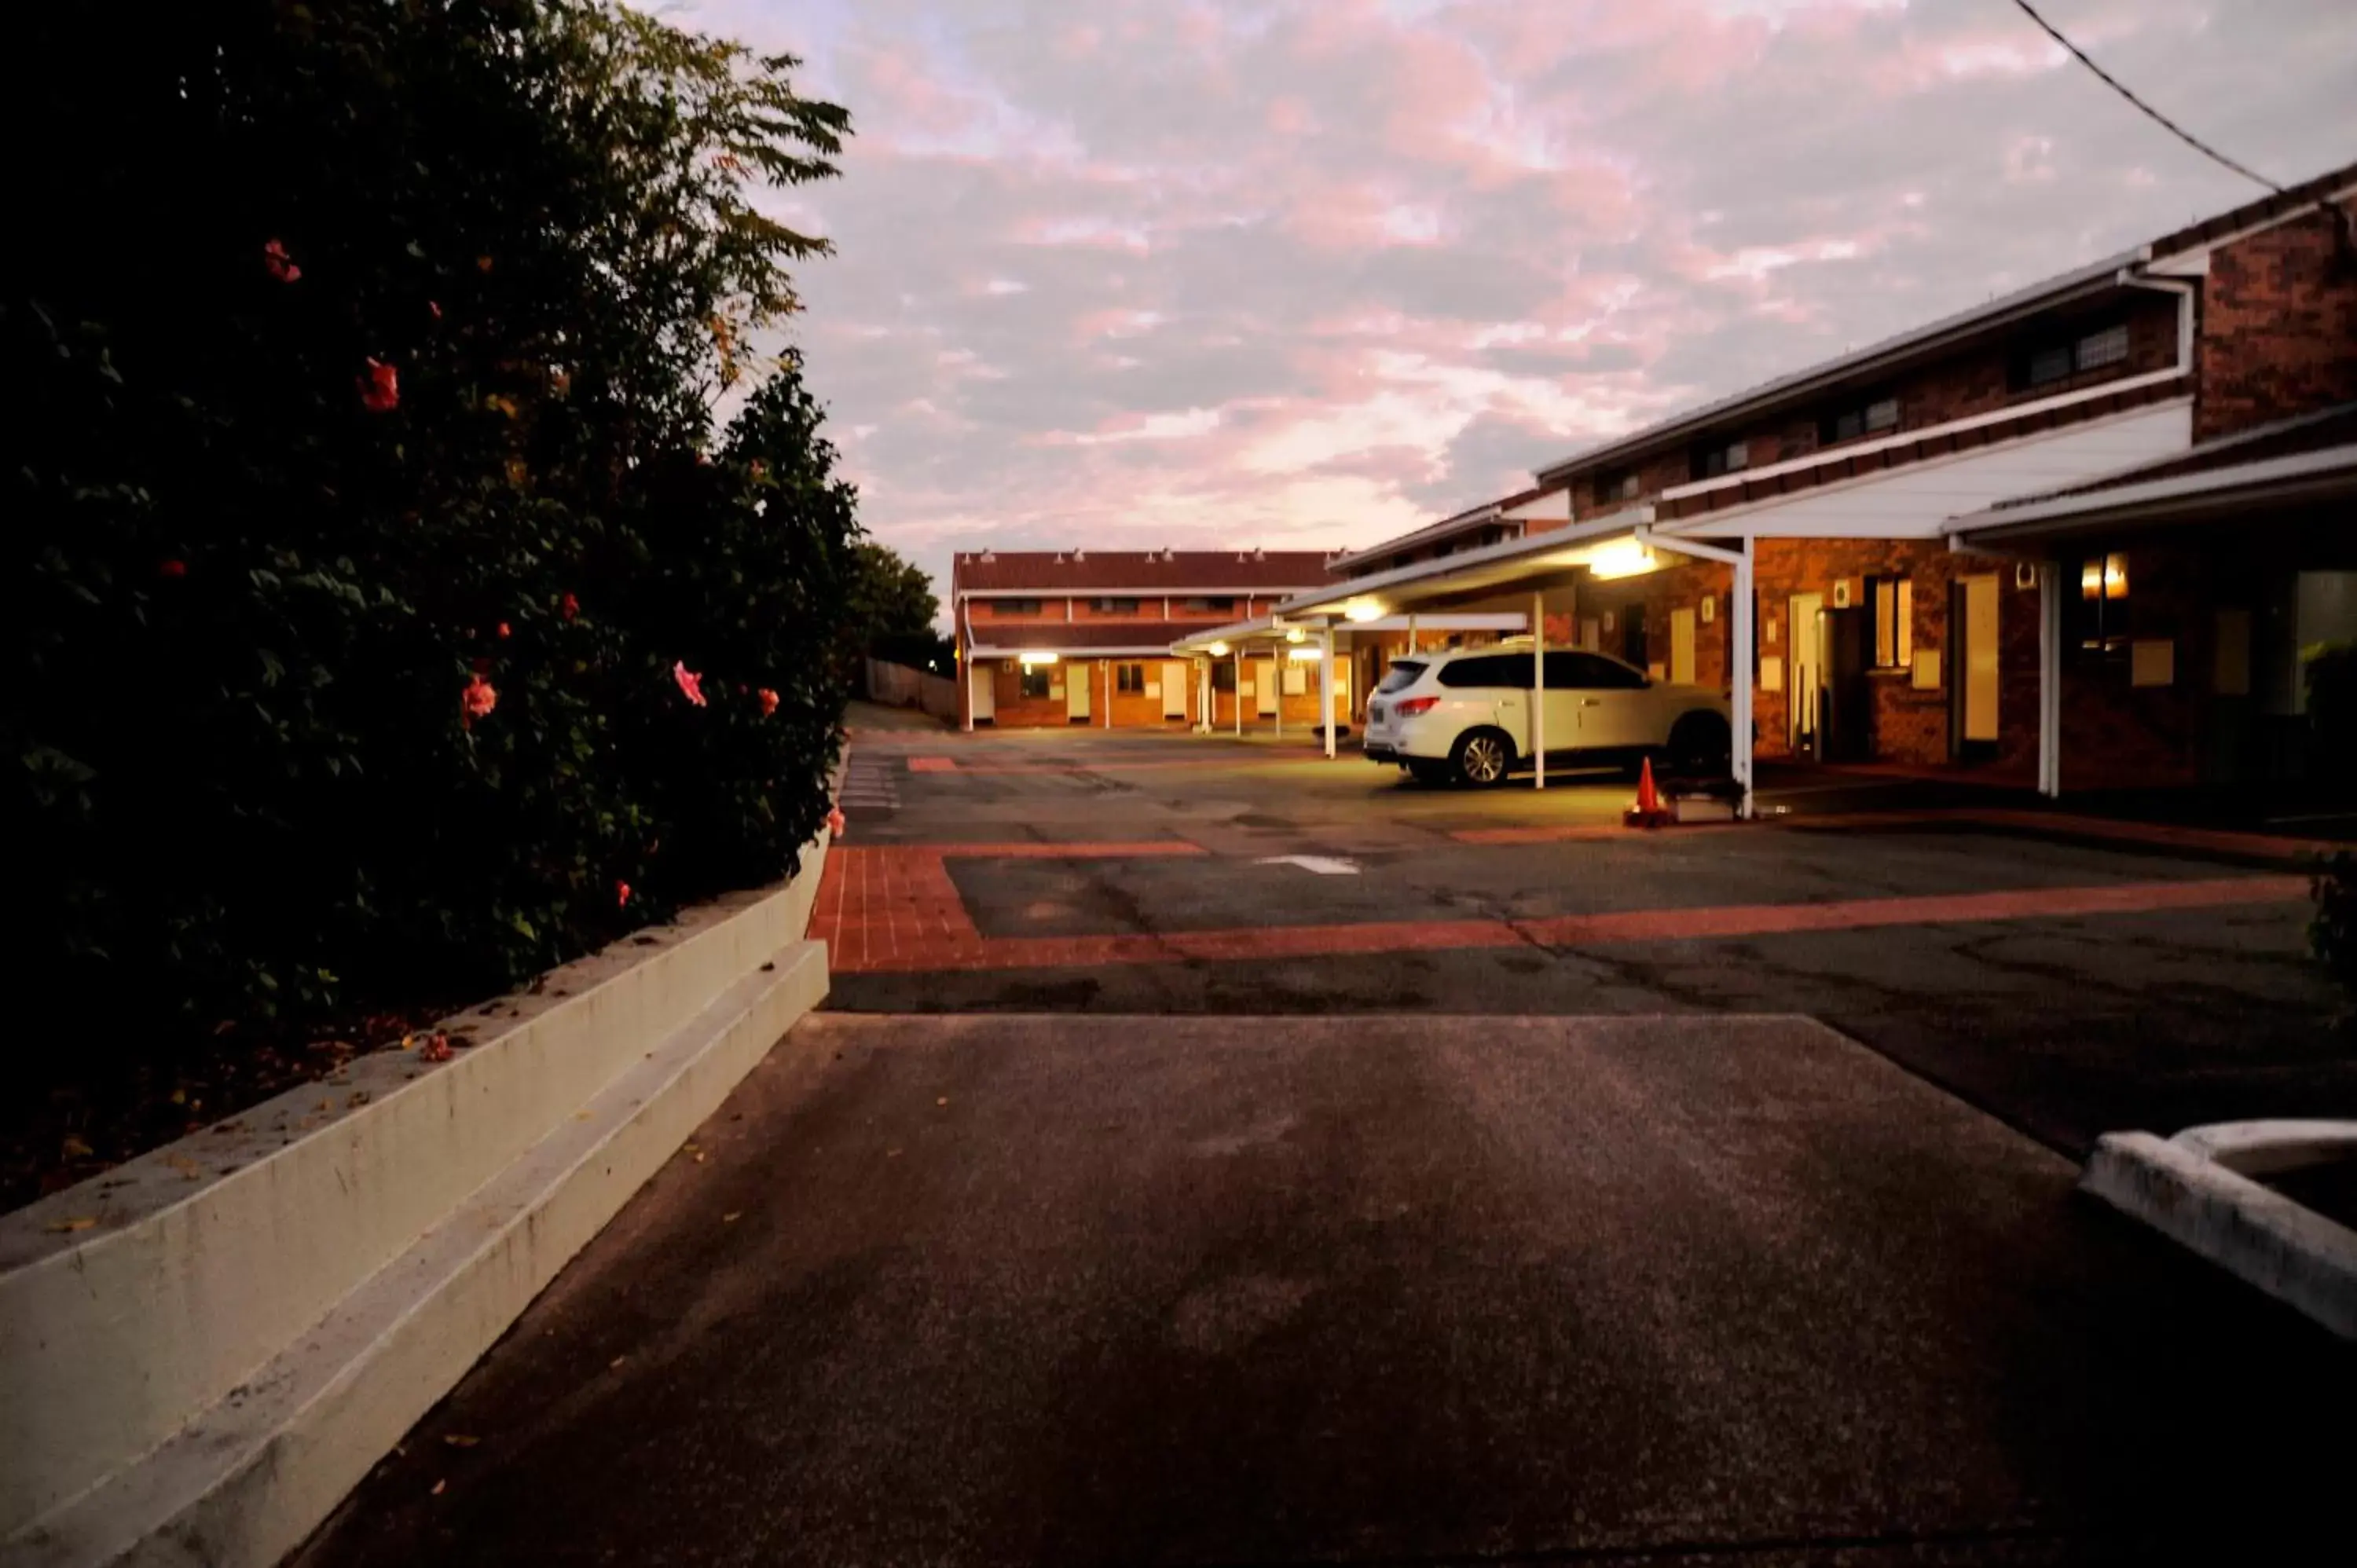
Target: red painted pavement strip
{"points": [[2163, 834], [978, 952]]}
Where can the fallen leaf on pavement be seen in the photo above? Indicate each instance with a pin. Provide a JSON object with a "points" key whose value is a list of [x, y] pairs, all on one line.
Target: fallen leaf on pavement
{"points": [[459, 1440], [78, 1222], [615, 1362], [944, 1100], [730, 1219], [438, 1486]]}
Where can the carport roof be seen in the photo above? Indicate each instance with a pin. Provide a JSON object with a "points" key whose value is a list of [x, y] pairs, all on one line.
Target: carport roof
{"points": [[1511, 565], [1271, 628], [2243, 489]]}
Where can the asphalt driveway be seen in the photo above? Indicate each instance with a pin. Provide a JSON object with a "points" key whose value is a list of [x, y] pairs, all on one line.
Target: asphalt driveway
{"points": [[1072, 1290]]}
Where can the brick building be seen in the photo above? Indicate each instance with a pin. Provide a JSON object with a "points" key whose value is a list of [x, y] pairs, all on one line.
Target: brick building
{"points": [[1073, 636], [1883, 632]]}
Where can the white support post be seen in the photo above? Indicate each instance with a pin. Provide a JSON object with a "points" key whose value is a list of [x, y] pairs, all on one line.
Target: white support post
{"points": [[1740, 556], [1739, 682], [1240, 694], [1326, 691], [2049, 679], [1538, 690], [1106, 665], [1277, 665]]}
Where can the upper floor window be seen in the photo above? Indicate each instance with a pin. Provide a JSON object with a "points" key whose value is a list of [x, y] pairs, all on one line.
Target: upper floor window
{"points": [[2059, 359], [1114, 606], [1218, 606], [1017, 607], [1611, 490], [1867, 416], [1727, 457]]}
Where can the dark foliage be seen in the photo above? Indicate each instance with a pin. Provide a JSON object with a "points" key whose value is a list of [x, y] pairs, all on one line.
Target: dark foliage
{"points": [[365, 363]]}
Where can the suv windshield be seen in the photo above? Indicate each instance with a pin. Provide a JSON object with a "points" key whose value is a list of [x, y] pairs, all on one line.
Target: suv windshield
{"points": [[1400, 676]]}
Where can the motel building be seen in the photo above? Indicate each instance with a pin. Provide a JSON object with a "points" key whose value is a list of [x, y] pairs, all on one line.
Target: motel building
{"points": [[2075, 537], [1058, 638]]}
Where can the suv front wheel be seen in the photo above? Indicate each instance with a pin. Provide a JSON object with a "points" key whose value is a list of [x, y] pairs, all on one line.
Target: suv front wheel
{"points": [[1482, 756]]}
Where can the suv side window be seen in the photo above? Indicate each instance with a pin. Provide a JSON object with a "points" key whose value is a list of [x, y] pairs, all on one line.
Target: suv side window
{"points": [[1512, 671], [1572, 670]]}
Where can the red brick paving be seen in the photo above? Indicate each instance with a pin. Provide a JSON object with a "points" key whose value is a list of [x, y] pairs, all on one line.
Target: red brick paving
{"points": [[894, 909]]}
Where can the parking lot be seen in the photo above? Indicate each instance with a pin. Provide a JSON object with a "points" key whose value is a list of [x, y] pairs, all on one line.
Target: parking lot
{"points": [[1212, 1154], [2068, 975]]}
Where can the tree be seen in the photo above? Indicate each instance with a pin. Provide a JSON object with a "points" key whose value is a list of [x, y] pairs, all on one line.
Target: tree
{"points": [[893, 601], [383, 618]]}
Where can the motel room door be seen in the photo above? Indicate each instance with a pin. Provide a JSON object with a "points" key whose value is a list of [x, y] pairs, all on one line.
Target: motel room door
{"points": [[1682, 647], [1801, 644], [1174, 690], [981, 679], [1975, 615], [1265, 687], [1076, 692]]}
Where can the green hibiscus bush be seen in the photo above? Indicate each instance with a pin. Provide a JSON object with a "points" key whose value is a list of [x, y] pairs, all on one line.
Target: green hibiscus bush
{"points": [[393, 618]]}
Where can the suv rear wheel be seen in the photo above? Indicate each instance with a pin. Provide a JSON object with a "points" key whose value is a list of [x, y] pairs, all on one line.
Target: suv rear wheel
{"points": [[1482, 756]]}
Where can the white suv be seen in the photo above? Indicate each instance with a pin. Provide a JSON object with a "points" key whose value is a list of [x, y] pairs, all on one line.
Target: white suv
{"points": [[1463, 716]]}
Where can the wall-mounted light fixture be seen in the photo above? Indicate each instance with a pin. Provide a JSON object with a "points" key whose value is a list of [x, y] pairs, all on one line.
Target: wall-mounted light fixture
{"points": [[1034, 656]]}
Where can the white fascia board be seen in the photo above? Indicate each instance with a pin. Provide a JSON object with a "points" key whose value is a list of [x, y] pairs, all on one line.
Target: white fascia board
{"points": [[1917, 501]]}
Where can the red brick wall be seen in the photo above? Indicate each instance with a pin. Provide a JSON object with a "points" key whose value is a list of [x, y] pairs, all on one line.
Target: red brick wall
{"points": [[2278, 331], [1131, 710], [1680, 586], [1910, 725], [2115, 734]]}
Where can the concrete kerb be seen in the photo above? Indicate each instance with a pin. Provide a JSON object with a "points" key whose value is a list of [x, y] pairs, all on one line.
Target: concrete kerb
{"points": [[202, 1350], [2187, 1188]]}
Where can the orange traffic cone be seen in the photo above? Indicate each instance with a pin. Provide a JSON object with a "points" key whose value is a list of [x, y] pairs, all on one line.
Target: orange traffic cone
{"points": [[1647, 812]]}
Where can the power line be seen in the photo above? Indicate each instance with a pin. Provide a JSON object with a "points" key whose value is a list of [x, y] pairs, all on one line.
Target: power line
{"points": [[2171, 127]]}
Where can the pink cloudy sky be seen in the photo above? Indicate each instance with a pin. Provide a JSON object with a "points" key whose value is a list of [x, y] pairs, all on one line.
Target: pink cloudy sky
{"points": [[1131, 273]]}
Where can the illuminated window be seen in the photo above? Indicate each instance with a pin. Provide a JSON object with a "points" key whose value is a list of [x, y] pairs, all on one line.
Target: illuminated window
{"points": [[2104, 604], [1034, 680]]}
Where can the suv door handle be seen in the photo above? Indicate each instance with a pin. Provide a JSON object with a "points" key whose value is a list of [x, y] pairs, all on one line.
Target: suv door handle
{"points": [[1591, 701]]}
